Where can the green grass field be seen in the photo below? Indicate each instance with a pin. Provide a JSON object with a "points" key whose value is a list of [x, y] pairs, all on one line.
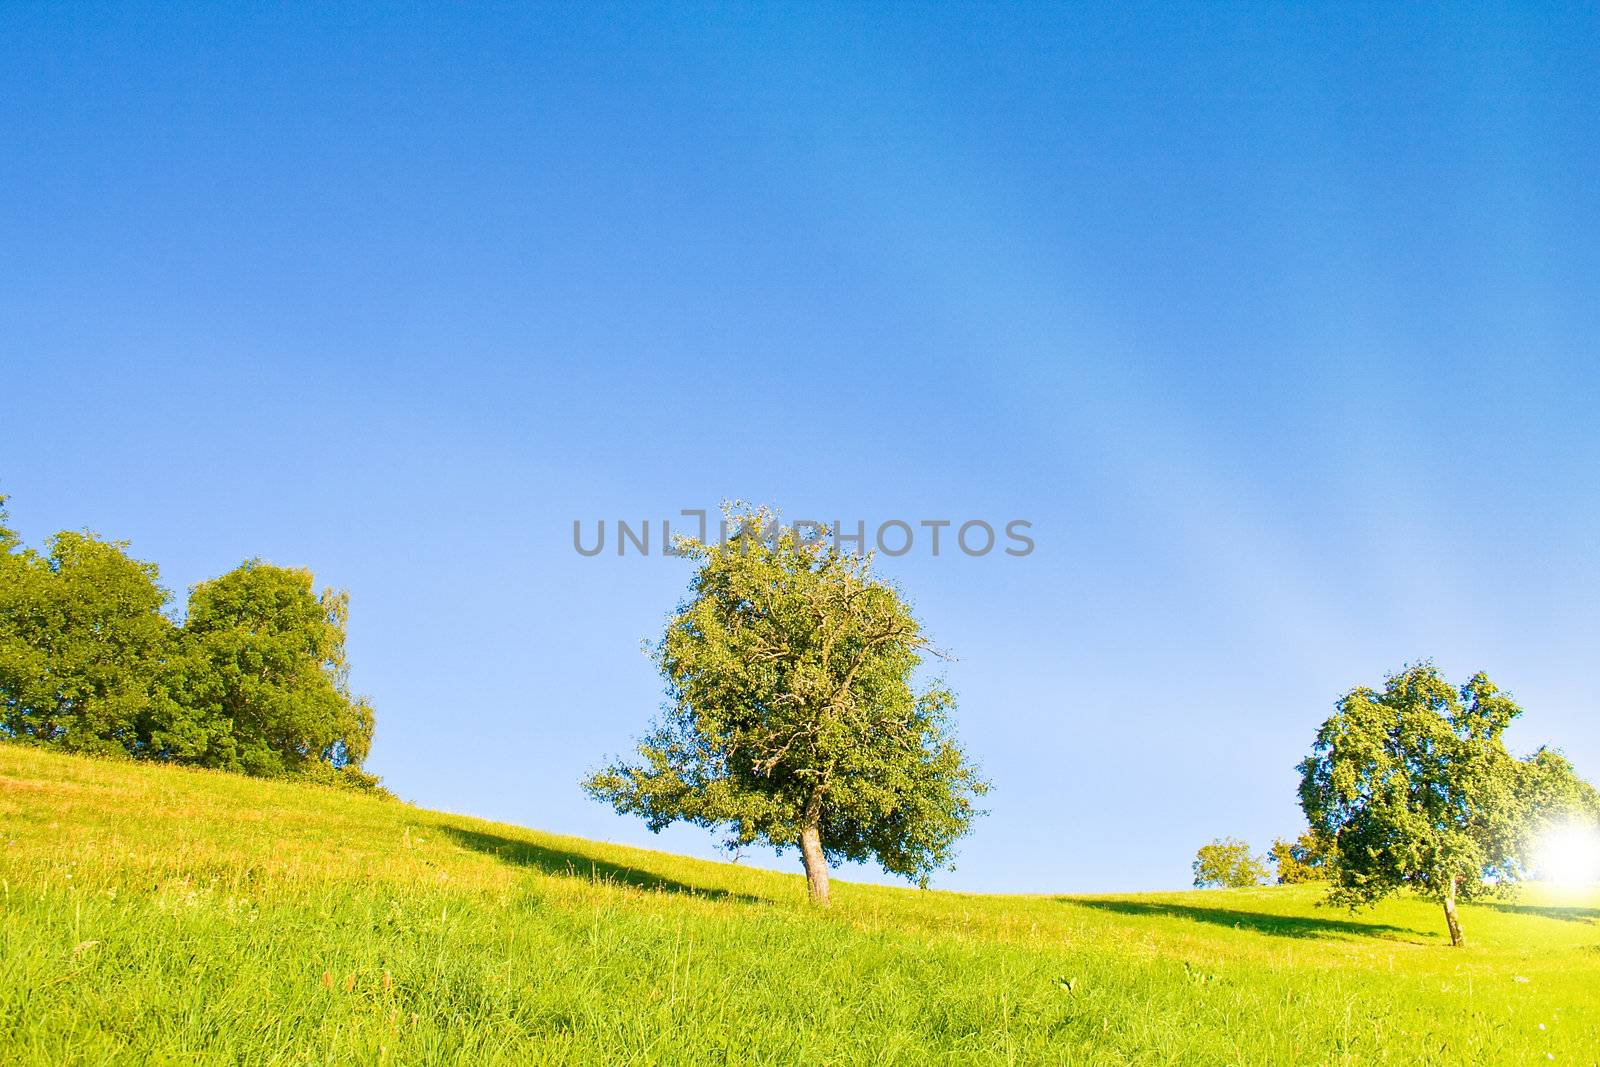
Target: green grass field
{"points": [[152, 914]]}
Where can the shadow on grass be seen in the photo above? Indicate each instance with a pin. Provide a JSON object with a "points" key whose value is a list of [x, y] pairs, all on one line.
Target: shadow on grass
{"points": [[1260, 922], [575, 864], [1550, 911]]}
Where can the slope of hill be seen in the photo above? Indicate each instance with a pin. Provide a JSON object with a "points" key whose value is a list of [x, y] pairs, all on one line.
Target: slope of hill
{"points": [[154, 914]]}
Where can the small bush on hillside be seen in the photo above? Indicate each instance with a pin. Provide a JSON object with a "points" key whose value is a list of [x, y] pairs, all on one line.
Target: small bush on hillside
{"points": [[348, 777]]}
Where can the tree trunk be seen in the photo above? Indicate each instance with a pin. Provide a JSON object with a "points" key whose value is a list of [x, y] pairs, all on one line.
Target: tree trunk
{"points": [[1456, 940], [811, 852]]}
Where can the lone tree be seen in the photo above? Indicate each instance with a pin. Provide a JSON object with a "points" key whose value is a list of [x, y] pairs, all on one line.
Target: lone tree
{"points": [[1414, 788], [1227, 863], [791, 718]]}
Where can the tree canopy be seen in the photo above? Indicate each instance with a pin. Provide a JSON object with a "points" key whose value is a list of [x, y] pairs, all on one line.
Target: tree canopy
{"points": [[792, 720], [1413, 787], [82, 643], [267, 680], [1227, 863], [254, 679]]}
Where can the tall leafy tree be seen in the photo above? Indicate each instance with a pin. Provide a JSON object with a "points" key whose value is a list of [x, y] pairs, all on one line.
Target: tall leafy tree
{"points": [[82, 640], [1414, 788], [792, 719], [264, 675]]}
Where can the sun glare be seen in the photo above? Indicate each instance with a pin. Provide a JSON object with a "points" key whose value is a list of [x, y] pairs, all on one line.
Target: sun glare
{"points": [[1569, 856]]}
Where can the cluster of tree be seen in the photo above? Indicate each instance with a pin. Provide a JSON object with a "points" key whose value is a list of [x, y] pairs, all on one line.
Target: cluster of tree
{"points": [[1228, 863], [792, 719], [252, 679]]}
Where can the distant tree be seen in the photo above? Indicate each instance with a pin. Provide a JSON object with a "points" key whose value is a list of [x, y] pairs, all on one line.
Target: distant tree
{"points": [[1303, 860], [82, 640], [263, 681], [1415, 789], [1227, 863], [792, 719]]}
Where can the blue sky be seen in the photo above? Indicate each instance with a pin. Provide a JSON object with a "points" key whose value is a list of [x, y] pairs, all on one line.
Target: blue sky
{"points": [[1279, 325]]}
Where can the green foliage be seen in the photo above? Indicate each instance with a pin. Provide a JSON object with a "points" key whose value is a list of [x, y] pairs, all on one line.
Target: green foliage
{"points": [[792, 711], [1306, 859], [294, 926], [1227, 863], [255, 679], [269, 653], [82, 643], [1415, 789], [8, 536], [1553, 793], [348, 776]]}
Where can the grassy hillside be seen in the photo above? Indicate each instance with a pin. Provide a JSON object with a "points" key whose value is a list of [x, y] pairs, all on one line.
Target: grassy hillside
{"points": [[160, 915]]}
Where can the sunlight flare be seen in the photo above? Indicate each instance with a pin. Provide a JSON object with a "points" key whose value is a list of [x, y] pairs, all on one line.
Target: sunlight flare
{"points": [[1569, 856]]}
